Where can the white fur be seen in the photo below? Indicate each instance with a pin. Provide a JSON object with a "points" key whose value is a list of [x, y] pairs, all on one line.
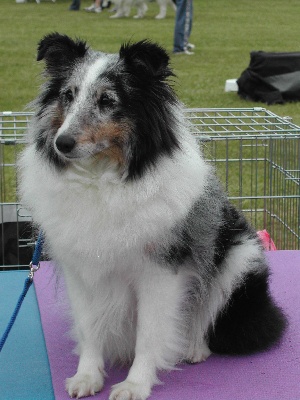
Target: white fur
{"points": [[98, 229]]}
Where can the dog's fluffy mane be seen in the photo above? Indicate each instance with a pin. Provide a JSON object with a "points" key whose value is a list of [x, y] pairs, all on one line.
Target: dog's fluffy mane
{"points": [[159, 266]]}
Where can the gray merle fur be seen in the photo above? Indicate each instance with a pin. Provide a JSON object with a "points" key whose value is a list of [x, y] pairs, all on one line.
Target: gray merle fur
{"points": [[250, 321]]}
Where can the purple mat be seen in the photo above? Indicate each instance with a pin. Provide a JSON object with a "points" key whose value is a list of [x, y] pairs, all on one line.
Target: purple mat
{"points": [[273, 375]]}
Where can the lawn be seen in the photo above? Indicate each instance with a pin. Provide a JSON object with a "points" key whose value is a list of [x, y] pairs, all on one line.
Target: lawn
{"points": [[224, 32]]}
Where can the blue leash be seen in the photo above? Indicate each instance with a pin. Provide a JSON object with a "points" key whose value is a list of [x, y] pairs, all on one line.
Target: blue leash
{"points": [[34, 266]]}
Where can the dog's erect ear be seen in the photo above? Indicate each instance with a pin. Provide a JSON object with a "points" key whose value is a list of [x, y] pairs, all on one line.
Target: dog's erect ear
{"points": [[60, 52], [146, 58]]}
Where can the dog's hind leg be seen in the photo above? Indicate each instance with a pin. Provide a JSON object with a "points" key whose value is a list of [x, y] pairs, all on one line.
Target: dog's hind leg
{"points": [[249, 321], [198, 350]]}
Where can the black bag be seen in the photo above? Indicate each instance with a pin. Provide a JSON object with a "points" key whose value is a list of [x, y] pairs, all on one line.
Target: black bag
{"points": [[273, 78]]}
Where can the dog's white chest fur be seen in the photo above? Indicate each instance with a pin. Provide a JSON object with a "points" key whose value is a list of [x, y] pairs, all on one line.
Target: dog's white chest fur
{"points": [[96, 218], [101, 232]]}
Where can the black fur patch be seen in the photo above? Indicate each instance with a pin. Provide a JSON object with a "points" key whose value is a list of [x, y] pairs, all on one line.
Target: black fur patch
{"points": [[250, 322], [60, 53], [233, 225], [147, 98], [50, 95]]}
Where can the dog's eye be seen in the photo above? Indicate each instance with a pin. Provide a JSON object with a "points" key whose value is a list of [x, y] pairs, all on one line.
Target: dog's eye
{"points": [[68, 96], [105, 100]]}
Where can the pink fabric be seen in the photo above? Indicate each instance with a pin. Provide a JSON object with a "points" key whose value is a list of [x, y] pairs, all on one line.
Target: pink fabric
{"points": [[273, 375], [266, 240]]}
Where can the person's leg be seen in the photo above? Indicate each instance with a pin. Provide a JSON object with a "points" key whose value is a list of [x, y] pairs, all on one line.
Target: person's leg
{"points": [[91, 8], [179, 26], [95, 7], [75, 6], [98, 6], [183, 25], [188, 24], [189, 18]]}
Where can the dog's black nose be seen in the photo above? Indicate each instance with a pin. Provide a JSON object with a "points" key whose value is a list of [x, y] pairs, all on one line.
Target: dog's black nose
{"points": [[65, 143]]}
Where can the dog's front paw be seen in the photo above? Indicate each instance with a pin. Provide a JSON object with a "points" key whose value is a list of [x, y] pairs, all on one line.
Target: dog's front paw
{"points": [[82, 385], [129, 391]]}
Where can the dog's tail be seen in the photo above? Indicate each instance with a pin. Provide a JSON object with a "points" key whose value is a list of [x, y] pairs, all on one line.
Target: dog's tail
{"points": [[250, 322]]}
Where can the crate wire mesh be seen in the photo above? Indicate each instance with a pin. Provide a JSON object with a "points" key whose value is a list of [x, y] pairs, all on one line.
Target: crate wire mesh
{"points": [[16, 232], [255, 152], [257, 157]]}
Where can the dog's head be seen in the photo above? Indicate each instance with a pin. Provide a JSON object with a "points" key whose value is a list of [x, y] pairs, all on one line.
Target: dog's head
{"points": [[96, 105]]}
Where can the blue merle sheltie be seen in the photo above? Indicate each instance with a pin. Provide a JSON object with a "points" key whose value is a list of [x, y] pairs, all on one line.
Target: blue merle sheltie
{"points": [[159, 267]]}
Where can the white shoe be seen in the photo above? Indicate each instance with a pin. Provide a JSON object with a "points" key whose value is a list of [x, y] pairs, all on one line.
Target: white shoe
{"points": [[90, 8], [185, 51], [190, 46]]}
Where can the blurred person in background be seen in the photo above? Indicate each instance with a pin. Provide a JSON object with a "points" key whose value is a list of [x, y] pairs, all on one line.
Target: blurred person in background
{"points": [[183, 27], [98, 6], [75, 6]]}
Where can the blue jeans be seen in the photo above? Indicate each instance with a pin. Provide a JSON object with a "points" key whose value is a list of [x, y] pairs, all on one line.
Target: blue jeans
{"points": [[183, 24], [75, 5]]}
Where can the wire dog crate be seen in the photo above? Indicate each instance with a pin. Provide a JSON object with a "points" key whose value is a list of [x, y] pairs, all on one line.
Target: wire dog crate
{"points": [[16, 233], [255, 152], [257, 157]]}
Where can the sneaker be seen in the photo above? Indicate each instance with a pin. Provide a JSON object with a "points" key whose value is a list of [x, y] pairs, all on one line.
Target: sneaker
{"points": [[90, 8], [98, 10], [186, 51], [190, 46]]}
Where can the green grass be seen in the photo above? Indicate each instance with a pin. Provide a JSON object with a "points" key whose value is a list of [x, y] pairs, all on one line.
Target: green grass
{"points": [[224, 32]]}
